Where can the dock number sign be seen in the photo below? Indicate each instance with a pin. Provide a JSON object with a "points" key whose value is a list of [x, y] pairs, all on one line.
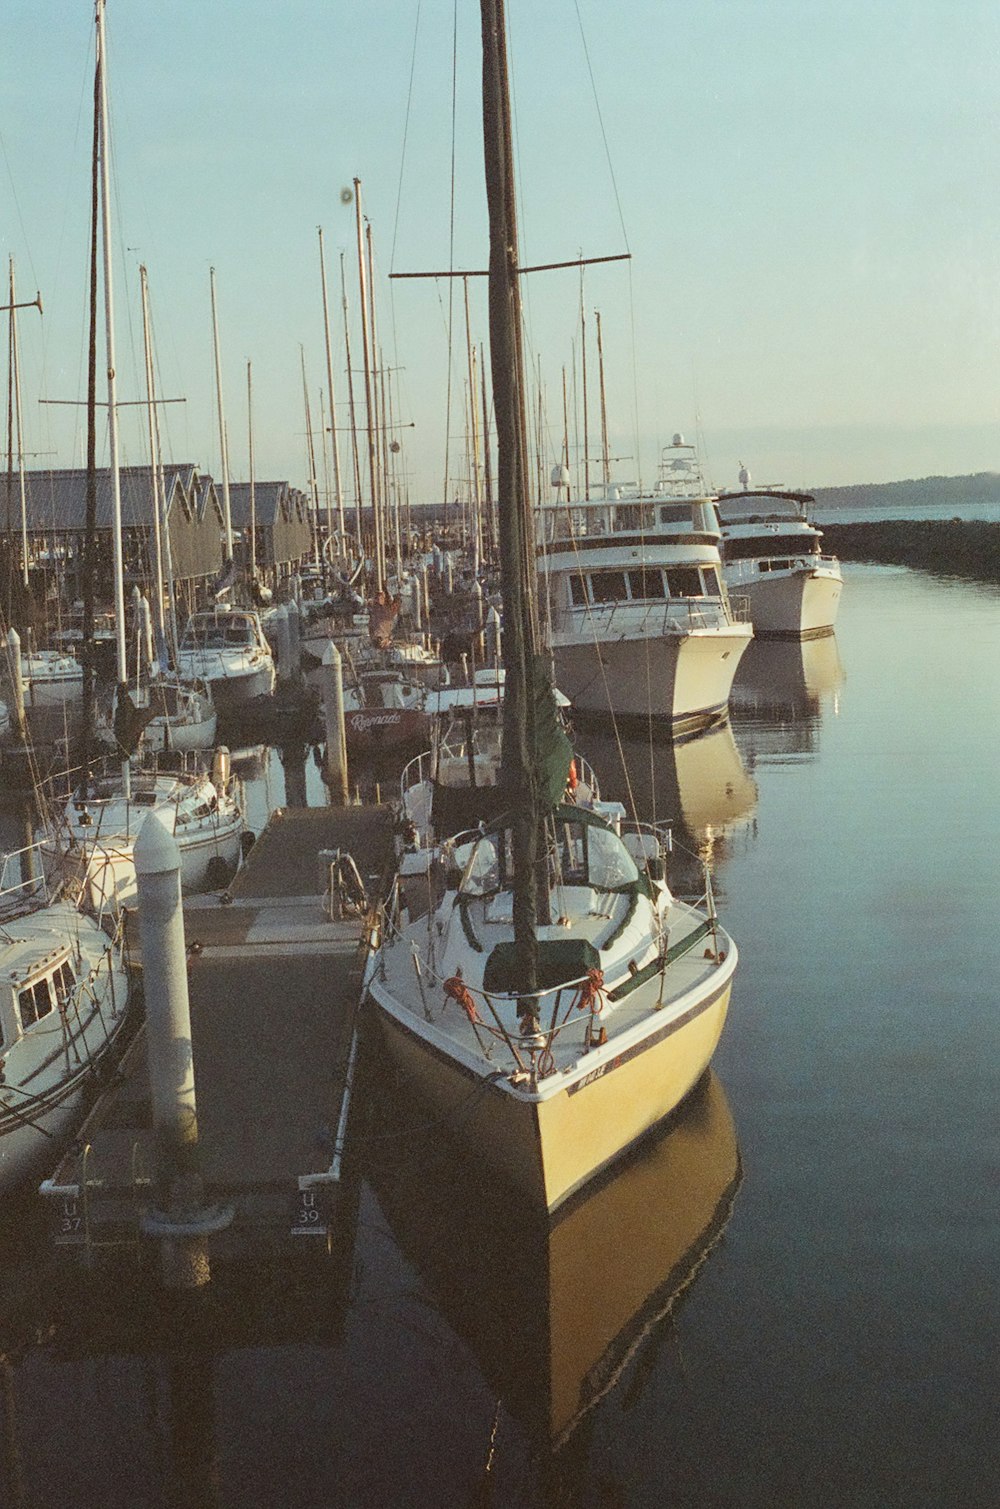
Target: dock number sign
{"points": [[309, 1214], [69, 1223]]}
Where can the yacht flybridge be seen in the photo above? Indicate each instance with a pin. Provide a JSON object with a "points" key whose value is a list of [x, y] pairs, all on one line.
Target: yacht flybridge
{"points": [[641, 624]]}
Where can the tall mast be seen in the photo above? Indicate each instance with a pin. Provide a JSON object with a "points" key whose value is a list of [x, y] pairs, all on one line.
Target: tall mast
{"points": [[16, 384], [332, 398], [350, 406], [109, 331], [605, 458], [378, 415], [517, 564], [477, 502], [369, 406], [90, 527], [223, 443], [583, 362], [312, 461], [253, 480], [154, 465]]}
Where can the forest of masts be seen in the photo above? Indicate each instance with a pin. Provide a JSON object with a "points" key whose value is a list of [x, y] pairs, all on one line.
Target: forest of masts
{"points": [[358, 486]]}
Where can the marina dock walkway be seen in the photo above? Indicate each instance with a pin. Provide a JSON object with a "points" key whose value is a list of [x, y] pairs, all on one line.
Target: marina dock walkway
{"points": [[274, 982]]}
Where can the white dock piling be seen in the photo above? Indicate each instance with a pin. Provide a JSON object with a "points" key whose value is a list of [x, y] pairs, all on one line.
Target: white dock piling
{"points": [[180, 1217], [282, 641], [294, 640], [336, 736], [16, 683]]}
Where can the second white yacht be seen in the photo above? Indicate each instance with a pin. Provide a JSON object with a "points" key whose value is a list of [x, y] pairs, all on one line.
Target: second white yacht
{"points": [[641, 625], [772, 555]]}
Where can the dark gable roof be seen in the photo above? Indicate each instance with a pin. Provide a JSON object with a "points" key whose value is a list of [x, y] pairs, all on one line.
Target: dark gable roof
{"points": [[57, 500], [271, 500]]}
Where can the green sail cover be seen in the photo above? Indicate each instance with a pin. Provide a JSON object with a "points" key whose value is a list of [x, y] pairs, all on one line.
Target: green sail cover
{"points": [[553, 750]]}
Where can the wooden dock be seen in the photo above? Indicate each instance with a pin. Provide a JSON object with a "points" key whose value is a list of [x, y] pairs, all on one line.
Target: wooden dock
{"points": [[274, 983]]}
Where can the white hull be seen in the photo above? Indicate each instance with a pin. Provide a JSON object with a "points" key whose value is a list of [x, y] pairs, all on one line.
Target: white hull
{"points": [[164, 733], [49, 1055], [111, 878], [231, 689], [684, 678], [797, 604]]}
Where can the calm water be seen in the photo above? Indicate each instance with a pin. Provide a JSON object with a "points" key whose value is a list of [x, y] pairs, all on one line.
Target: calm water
{"points": [[788, 1299]]}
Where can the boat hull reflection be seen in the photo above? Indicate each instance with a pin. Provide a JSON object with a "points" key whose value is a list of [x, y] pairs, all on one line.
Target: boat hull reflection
{"points": [[554, 1311]]}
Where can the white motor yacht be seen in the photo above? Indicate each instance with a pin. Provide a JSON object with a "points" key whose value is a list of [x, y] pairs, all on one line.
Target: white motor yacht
{"points": [[226, 648], [642, 626], [773, 557]]}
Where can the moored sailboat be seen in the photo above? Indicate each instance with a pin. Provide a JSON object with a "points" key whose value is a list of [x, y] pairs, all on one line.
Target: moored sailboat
{"points": [[556, 1001], [64, 1003]]}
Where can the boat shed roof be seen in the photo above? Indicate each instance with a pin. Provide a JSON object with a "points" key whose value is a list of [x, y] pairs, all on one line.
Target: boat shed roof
{"points": [[273, 501], [56, 501]]}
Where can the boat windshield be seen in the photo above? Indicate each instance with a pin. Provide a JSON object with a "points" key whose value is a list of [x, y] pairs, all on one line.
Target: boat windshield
{"points": [[217, 636], [585, 853]]}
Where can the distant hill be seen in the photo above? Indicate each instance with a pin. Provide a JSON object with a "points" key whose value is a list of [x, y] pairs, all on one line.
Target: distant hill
{"points": [[975, 488]]}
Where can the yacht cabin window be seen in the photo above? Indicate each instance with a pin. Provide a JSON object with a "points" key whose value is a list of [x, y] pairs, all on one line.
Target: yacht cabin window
{"points": [[607, 586], [646, 583], [684, 581], [675, 513]]}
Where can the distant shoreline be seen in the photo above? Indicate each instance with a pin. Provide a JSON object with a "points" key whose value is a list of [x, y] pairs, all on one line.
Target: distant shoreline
{"points": [[916, 492]]}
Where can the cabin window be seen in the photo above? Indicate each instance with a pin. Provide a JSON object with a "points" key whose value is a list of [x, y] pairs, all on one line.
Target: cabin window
{"points": [[34, 1002], [684, 581], [64, 980], [578, 590], [675, 513], [646, 583], [607, 587], [590, 854], [710, 581]]}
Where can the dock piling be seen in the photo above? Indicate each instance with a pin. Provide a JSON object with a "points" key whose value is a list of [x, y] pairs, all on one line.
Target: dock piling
{"points": [[180, 1218], [336, 735]]}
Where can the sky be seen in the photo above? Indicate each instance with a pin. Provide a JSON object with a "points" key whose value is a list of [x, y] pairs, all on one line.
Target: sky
{"points": [[808, 190]]}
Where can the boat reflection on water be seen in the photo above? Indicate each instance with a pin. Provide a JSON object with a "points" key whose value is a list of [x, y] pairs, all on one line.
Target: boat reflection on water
{"points": [[555, 1313], [781, 692], [700, 786]]}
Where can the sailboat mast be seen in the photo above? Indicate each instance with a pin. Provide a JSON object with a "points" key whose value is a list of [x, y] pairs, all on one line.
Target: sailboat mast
{"points": [[16, 383], [369, 403], [223, 444], [90, 524], [517, 565], [352, 416], [583, 363], [338, 485], [253, 480], [109, 330], [154, 464], [605, 458], [313, 483]]}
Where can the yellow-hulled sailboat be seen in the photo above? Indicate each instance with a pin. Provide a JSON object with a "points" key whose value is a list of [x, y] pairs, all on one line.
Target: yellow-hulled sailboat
{"points": [[555, 1001]]}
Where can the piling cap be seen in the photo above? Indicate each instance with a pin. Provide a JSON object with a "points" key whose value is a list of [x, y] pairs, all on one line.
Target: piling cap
{"points": [[331, 655], [155, 851]]}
